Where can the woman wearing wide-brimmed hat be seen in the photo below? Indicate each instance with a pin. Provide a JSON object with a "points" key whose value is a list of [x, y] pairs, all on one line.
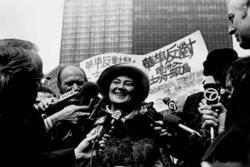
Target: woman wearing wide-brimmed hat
{"points": [[132, 140], [124, 86]]}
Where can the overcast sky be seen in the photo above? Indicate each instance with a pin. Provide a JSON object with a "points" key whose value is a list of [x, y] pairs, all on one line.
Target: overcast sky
{"points": [[39, 21]]}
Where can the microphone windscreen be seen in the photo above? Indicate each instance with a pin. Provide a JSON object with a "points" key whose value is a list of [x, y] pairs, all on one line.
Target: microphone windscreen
{"points": [[171, 119], [171, 104], [89, 91], [166, 100]]}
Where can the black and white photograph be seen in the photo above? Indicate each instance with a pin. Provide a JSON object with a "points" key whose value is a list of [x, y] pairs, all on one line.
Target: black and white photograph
{"points": [[124, 83]]}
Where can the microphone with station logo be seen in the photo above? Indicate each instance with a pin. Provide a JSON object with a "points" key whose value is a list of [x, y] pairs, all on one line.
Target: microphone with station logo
{"points": [[212, 96], [170, 103]]}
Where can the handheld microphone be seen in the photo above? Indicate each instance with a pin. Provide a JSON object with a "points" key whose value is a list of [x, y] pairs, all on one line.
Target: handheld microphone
{"points": [[56, 105], [151, 114], [171, 104], [174, 120], [211, 92], [90, 90], [212, 96], [66, 96]]}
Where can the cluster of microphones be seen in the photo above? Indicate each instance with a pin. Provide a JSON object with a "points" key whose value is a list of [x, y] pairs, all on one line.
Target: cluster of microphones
{"points": [[90, 96]]}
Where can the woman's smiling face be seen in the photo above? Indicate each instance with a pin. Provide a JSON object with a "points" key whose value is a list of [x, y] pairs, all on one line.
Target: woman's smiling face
{"points": [[121, 90]]}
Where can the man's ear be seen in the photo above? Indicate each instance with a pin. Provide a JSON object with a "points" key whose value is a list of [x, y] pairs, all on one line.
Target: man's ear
{"points": [[245, 10]]}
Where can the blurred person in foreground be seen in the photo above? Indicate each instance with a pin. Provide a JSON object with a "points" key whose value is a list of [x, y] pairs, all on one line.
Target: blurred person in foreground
{"points": [[24, 140], [69, 115]]}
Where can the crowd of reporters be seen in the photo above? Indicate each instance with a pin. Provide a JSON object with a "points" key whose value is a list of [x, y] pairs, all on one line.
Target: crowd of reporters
{"points": [[107, 123]]}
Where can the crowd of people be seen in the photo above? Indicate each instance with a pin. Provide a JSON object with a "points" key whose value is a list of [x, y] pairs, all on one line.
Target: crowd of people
{"points": [[108, 123]]}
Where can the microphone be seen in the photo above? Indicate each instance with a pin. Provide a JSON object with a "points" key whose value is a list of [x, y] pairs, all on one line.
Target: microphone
{"points": [[174, 120], [212, 96], [211, 92], [149, 112], [171, 104], [66, 96], [89, 91]]}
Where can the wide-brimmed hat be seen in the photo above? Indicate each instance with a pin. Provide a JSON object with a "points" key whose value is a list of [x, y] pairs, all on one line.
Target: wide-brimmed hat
{"points": [[133, 70]]}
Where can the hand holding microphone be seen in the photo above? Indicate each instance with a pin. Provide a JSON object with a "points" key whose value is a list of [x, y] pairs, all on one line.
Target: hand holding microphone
{"points": [[210, 106], [213, 115], [51, 105]]}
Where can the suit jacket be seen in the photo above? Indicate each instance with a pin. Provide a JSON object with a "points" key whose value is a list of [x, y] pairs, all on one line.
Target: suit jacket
{"points": [[190, 113], [230, 146], [25, 142]]}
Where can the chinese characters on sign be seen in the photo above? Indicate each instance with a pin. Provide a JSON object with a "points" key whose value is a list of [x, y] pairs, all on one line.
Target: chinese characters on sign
{"points": [[174, 70], [95, 65], [168, 62]]}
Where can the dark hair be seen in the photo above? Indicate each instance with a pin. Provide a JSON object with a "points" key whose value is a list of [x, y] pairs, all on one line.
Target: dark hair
{"points": [[19, 43], [27, 45], [239, 75], [61, 69], [18, 75], [218, 62]]}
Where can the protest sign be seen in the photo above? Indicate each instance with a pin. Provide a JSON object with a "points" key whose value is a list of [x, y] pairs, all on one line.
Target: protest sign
{"points": [[95, 65], [175, 70]]}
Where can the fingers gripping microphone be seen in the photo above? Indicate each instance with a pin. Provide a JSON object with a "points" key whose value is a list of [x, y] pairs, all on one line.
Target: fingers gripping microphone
{"points": [[89, 91], [212, 96], [174, 120]]}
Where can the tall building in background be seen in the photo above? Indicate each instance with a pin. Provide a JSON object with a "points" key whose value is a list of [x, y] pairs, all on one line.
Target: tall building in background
{"points": [[92, 27], [157, 23]]}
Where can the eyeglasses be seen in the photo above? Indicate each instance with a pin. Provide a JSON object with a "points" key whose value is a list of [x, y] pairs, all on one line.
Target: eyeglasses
{"points": [[226, 92]]}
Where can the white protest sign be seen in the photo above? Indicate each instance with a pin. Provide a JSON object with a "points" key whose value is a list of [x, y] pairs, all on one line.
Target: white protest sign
{"points": [[176, 70], [96, 64]]}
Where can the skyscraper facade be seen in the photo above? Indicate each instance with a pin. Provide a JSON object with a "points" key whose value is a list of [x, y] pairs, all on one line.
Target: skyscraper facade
{"points": [[157, 23], [138, 26], [95, 27]]}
